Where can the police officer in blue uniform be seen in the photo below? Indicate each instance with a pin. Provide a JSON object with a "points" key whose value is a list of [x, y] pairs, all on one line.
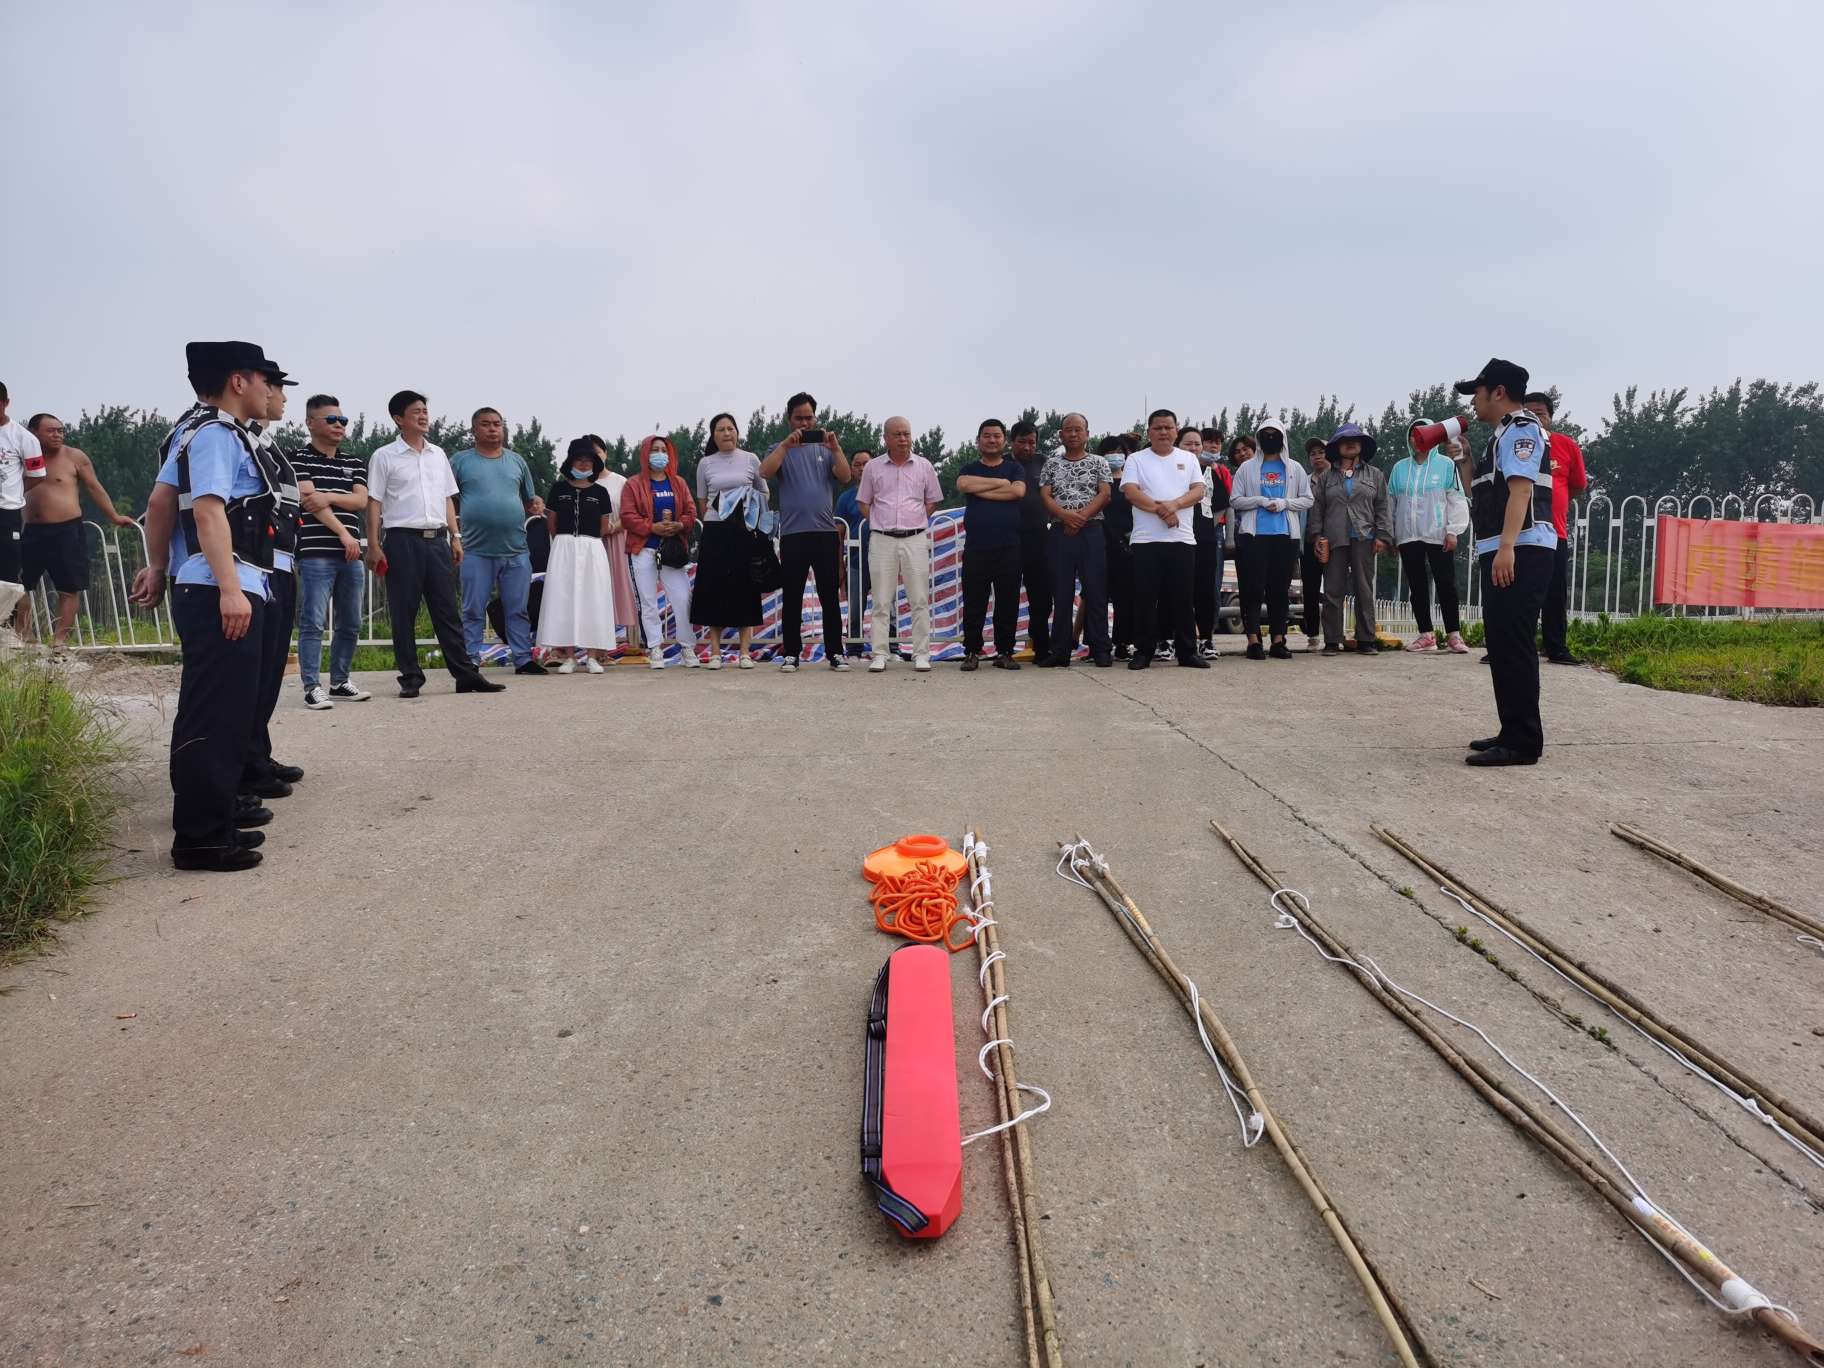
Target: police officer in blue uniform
{"points": [[263, 776], [1511, 514], [227, 497]]}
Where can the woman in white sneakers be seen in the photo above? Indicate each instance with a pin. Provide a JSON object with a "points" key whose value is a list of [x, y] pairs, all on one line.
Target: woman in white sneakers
{"points": [[659, 515], [1430, 511], [577, 612]]}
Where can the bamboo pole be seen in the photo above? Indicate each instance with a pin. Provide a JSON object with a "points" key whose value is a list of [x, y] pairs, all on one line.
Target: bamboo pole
{"points": [[1035, 1292], [1381, 1299], [1538, 1127], [1760, 902], [1621, 1001]]}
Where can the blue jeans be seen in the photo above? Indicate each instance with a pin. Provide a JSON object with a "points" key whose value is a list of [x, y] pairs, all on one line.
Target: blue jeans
{"points": [[480, 574], [320, 578]]}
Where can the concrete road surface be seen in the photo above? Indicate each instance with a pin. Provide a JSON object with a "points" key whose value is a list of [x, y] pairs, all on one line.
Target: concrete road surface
{"points": [[537, 1038]]}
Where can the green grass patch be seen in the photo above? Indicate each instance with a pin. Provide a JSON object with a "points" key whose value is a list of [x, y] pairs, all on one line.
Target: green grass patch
{"points": [[61, 762], [1779, 661]]}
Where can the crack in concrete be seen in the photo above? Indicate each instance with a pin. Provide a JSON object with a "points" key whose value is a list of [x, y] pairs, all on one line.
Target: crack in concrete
{"points": [[1552, 1006]]}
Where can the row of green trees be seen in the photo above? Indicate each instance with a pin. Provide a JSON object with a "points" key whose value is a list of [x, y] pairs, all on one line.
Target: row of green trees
{"points": [[1747, 439]]}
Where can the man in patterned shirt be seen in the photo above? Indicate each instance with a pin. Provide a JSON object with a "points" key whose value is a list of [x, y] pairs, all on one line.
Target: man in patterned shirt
{"points": [[1075, 488]]}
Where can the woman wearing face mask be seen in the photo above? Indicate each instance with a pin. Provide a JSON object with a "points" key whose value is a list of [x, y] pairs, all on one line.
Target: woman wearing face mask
{"points": [[578, 609], [658, 513], [729, 489], [1272, 493]]}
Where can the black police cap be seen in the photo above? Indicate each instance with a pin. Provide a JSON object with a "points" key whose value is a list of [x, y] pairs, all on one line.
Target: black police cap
{"points": [[224, 358], [1506, 374]]}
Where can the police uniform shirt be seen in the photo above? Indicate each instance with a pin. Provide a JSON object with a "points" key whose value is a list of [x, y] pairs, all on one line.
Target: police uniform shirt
{"points": [[220, 466], [1521, 449]]}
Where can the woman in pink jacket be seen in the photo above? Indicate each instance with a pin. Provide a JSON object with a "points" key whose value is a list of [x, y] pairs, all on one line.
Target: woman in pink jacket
{"points": [[658, 515]]}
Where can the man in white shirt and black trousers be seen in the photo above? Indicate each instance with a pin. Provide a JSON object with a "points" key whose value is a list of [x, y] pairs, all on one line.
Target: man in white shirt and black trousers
{"points": [[412, 530], [1162, 483]]}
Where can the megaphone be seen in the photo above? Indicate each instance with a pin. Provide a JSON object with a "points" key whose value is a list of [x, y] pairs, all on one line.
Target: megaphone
{"points": [[1425, 436]]}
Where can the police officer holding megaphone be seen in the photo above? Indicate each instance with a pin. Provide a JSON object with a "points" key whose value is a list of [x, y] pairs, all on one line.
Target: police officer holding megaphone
{"points": [[1511, 518]]}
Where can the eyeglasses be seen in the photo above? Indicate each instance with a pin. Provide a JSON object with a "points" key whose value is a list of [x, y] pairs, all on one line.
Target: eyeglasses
{"points": [[336, 419]]}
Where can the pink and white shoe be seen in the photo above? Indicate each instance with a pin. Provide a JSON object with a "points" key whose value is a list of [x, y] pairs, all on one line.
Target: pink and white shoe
{"points": [[1456, 645], [1425, 643]]}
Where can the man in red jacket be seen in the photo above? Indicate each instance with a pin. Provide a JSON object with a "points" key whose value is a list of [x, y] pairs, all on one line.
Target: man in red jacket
{"points": [[1569, 478]]}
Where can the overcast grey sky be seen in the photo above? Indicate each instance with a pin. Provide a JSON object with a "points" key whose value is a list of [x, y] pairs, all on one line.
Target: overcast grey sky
{"points": [[617, 216]]}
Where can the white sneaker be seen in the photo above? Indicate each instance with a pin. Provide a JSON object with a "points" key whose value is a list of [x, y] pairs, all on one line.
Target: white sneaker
{"points": [[839, 664], [594, 666], [1162, 652], [1311, 643], [745, 662], [715, 657], [568, 667], [316, 698], [878, 665], [655, 659], [922, 664], [348, 693], [1425, 643], [788, 664], [689, 651]]}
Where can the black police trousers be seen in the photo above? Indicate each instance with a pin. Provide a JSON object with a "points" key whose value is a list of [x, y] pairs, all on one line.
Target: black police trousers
{"points": [[217, 700], [280, 616], [1510, 623]]}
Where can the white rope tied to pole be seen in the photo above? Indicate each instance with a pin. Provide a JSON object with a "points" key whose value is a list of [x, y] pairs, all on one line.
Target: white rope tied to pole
{"points": [[981, 899], [1740, 1302], [1080, 855], [1748, 1104]]}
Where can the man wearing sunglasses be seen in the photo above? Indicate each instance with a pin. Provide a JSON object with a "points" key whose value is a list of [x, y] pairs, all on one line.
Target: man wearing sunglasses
{"points": [[334, 490]]}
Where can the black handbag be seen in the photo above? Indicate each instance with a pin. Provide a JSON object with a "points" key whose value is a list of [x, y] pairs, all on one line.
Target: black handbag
{"points": [[763, 564], [674, 552]]}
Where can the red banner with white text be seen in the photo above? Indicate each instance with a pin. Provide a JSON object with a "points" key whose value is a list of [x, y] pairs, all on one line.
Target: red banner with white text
{"points": [[1711, 563]]}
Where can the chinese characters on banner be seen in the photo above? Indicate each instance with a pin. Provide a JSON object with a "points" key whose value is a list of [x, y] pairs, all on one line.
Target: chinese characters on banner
{"points": [[1712, 563]]}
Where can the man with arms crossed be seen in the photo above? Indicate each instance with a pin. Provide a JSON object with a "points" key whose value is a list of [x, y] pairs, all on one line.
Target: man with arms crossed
{"points": [[334, 490]]}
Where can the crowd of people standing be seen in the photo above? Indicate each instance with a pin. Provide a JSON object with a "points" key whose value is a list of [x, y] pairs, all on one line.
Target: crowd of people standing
{"points": [[1120, 549]]}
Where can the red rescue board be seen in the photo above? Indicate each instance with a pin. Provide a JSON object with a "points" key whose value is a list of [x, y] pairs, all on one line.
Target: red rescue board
{"points": [[920, 1127]]}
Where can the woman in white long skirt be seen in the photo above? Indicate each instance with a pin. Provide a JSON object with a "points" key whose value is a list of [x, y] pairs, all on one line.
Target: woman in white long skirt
{"points": [[577, 613]]}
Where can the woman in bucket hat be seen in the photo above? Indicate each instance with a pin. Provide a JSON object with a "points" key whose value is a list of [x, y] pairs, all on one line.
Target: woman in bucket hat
{"points": [[1354, 521]]}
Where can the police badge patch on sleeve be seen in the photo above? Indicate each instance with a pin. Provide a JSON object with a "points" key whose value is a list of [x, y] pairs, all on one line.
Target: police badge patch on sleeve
{"points": [[1524, 448]]}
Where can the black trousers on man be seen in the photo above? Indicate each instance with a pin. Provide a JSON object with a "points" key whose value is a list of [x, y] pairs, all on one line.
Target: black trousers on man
{"points": [[1035, 577], [1426, 563], [1510, 623], [817, 554], [1555, 623], [217, 700], [280, 617], [419, 569], [1206, 588], [1162, 595], [998, 568], [1311, 576], [1082, 559], [1263, 570]]}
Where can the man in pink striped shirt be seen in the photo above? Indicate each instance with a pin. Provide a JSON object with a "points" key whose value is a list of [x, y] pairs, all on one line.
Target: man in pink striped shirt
{"points": [[897, 496]]}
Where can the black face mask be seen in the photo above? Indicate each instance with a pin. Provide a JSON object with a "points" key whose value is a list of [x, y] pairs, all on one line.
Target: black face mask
{"points": [[1272, 443]]}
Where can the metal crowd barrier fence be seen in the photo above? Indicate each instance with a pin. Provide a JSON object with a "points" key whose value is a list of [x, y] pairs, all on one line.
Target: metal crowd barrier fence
{"points": [[1613, 556]]}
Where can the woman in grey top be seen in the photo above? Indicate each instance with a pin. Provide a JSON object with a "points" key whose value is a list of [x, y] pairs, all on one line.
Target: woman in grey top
{"points": [[725, 595], [1354, 521]]}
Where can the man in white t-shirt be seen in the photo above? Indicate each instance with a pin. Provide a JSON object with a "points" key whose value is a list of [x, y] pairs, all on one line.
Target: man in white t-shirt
{"points": [[21, 458], [1161, 484]]}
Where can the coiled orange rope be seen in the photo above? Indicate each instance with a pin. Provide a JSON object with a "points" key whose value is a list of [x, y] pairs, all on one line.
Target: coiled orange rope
{"points": [[921, 905]]}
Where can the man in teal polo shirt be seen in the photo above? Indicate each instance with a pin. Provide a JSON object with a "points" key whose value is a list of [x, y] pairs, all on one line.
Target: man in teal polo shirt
{"points": [[497, 495]]}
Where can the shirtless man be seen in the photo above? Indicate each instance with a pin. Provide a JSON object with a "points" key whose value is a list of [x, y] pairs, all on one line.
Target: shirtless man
{"points": [[53, 543]]}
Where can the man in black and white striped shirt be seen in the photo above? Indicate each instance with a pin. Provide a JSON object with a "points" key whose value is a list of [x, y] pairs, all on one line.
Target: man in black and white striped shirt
{"points": [[334, 488]]}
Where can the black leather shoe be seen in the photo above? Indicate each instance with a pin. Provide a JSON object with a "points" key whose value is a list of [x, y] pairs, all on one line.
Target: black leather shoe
{"points": [[408, 691], [971, 663], [270, 787], [255, 816], [1103, 661], [251, 840], [1053, 662], [289, 773], [531, 667], [1006, 662], [1499, 755], [1280, 651], [1486, 743], [479, 685], [1256, 651], [1562, 660], [1141, 661], [1193, 662], [222, 859]]}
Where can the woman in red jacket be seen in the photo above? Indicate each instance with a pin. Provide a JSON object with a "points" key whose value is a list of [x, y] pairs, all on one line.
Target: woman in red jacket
{"points": [[658, 515]]}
